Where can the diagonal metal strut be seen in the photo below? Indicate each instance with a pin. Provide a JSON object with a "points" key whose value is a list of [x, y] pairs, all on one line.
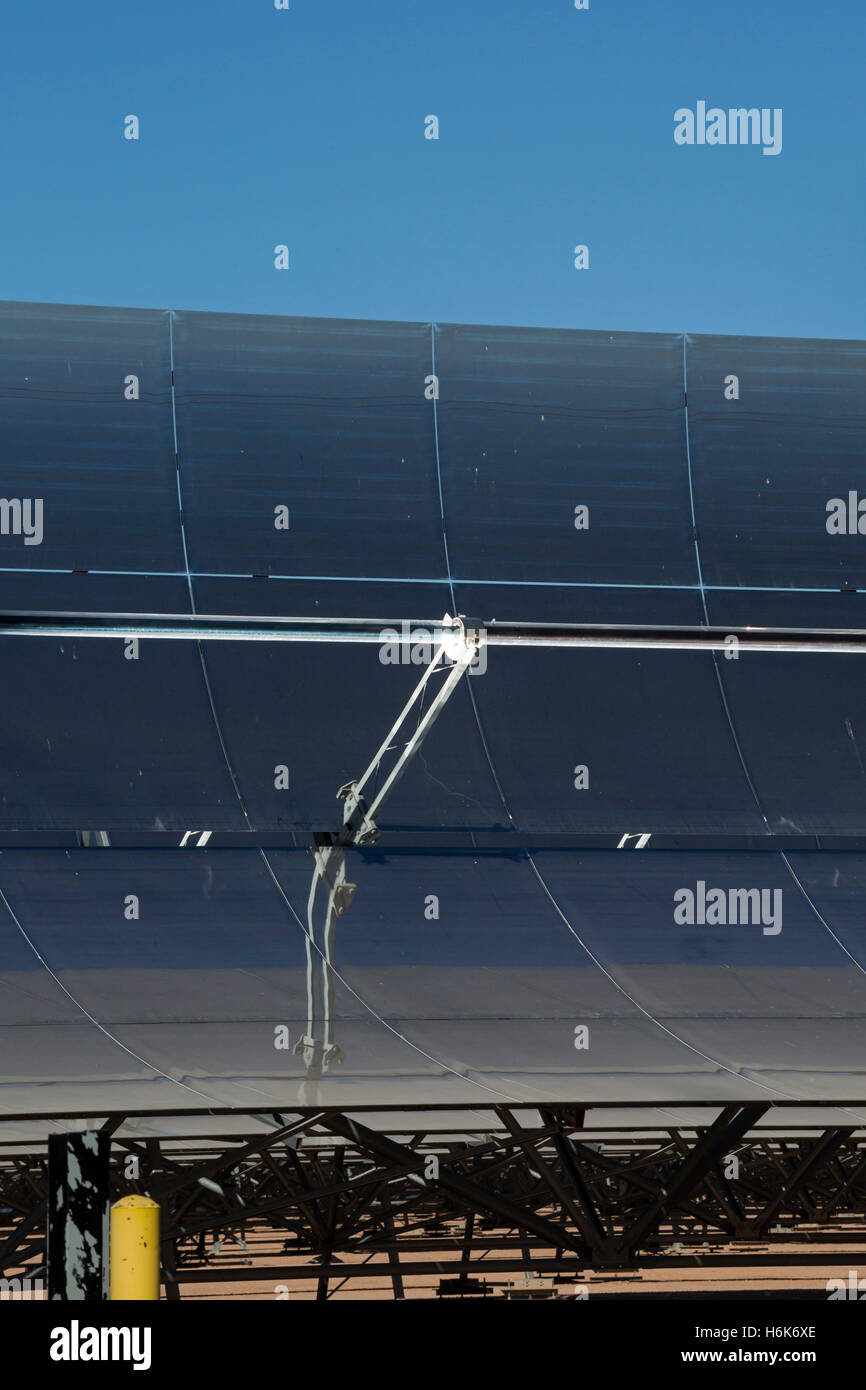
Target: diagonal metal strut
{"points": [[452, 658]]}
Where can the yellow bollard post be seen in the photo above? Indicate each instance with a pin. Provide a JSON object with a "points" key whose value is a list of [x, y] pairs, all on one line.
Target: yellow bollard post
{"points": [[134, 1250]]}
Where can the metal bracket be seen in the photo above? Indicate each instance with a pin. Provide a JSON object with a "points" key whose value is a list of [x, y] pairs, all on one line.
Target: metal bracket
{"points": [[455, 652]]}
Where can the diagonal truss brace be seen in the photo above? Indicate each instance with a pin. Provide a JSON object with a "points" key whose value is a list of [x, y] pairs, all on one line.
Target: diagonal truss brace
{"points": [[452, 657], [729, 1128]]}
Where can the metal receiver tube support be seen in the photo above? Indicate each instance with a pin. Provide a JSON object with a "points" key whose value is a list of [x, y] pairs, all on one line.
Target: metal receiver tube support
{"points": [[318, 1046]]}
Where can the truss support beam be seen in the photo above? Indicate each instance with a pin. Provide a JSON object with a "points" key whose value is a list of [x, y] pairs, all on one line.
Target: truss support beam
{"points": [[11, 1251], [493, 1195], [232, 1157], [825, 1146], [465, 1193], [583, 1208], [842, 1192], [729, 1128]]}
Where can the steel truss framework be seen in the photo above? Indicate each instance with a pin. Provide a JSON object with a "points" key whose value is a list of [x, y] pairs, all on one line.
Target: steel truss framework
{"points": [[538, 1191]]}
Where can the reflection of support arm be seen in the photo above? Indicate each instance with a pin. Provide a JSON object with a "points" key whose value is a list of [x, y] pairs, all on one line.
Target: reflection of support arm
{"points": [[330, 870], [459, 648]]}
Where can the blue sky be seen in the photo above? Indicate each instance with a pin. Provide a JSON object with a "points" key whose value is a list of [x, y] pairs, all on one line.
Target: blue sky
{"points": [[306, 127]]}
